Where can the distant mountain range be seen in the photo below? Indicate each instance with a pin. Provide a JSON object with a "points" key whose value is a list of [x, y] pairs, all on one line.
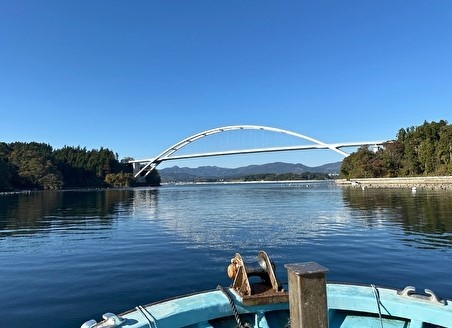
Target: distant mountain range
{"points": [[186, 174]]}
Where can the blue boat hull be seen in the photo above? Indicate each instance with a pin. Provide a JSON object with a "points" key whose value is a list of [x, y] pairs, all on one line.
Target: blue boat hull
{"points": [[348, 306]]}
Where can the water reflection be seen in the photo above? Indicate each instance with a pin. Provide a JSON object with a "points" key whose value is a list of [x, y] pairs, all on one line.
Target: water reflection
{"points": [[249, 217], [48, 210], [145, 201], [265, 216], [256, 214], [424, 216]]}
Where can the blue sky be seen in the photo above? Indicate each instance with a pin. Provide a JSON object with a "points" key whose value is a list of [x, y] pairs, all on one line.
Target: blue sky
{"points": [[139, 76]]}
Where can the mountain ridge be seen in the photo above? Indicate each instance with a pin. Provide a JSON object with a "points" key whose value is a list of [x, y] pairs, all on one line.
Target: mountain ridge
{"points": [[186, 174]]}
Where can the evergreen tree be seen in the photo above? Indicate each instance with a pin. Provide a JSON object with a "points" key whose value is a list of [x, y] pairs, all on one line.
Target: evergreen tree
{"points": [[5, 176]]}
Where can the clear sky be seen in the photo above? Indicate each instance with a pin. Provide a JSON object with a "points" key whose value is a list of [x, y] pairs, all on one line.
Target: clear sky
{"points": [[139, 76]]}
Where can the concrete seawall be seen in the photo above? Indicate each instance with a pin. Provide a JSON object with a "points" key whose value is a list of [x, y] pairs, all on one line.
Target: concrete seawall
{"points": [[443, 182]]}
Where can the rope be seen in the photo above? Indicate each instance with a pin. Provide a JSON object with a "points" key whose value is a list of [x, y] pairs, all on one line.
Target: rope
{"points": [[143, 311], [287, 324], [235, 312], [377, 298]]}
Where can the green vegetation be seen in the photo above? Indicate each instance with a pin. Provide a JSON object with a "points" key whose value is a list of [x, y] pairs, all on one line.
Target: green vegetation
{"points": [[37, 166], [267, 177], [424, 150], [287, 177]]}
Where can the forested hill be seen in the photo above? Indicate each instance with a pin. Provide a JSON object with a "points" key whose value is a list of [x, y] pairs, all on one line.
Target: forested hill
{"points": [[277, 171], [424, 150], [38, 166]]}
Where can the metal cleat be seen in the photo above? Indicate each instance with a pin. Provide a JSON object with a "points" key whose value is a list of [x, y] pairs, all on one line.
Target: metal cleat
{"points": [[429, 296], [89, 324], [112, 320]]}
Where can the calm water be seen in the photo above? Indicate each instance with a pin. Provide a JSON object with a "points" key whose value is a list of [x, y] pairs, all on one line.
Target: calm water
{"points": [[67, 257]]}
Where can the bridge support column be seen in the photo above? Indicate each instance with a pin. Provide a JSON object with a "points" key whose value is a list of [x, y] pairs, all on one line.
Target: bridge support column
{"points": [[136, 168]]}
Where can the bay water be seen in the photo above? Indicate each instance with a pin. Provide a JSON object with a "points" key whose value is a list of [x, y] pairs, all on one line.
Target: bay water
{"points": [[69, 256]]}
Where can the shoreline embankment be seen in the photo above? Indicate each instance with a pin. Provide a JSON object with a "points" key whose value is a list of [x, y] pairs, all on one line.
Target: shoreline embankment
{"points": [[437, 182]]}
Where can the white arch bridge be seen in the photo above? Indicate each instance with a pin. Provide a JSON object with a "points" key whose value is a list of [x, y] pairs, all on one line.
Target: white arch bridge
{"points": [[144, 166]]}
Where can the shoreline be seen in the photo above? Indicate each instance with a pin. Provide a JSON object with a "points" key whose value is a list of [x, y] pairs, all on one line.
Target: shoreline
{"points": [[244, 182], [433, 183]]}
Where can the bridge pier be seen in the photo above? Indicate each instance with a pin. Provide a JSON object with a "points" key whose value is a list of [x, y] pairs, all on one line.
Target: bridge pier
{"points": [[376, 148], [136, 168]]}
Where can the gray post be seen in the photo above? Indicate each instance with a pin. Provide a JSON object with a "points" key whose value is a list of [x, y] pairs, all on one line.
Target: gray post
{"points": [[307, 295]]}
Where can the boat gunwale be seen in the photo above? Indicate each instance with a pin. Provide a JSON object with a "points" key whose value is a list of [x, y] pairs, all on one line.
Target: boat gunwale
{"points": [[362, 300]]}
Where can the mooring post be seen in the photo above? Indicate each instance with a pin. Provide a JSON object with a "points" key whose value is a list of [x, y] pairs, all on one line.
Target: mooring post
{"points": [[307, 295]]}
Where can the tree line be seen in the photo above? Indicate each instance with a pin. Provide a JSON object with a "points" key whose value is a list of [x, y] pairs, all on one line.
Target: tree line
{"points": [[33, 165], [287, 176], [423, 150], [266, 177]]}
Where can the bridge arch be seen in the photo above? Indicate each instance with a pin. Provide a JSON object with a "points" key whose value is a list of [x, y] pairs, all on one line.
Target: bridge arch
{"points": [[151, 164]]}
